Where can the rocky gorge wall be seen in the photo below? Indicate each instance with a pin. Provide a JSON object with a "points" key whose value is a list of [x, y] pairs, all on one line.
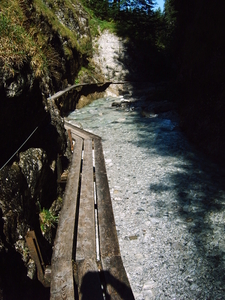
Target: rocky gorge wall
{"points": [[28, 182]]}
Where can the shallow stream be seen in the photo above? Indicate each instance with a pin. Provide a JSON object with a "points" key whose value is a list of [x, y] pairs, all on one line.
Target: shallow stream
{"points": [[168, 202]]}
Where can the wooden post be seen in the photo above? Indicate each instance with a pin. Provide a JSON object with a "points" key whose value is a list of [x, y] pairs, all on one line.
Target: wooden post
{"points": [[35, 254]]}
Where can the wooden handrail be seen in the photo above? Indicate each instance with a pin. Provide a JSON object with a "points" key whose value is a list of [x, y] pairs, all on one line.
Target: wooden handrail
{"points": [[69, 88]]}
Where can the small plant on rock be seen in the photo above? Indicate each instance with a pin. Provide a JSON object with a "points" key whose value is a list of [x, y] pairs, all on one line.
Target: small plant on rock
{"points": [[47, 220]]}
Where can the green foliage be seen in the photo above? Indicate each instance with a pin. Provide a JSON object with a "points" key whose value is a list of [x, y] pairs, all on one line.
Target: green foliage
{"points": [[106, 10], [17, 44], [99, 8], [4, 25], [47, 220], [170, 19], [25, 41], [98, 24], [144, 30]]}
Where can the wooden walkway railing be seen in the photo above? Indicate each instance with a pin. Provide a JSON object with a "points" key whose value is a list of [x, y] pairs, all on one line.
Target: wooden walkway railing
{"points": [[86, 261], [75, 86]]}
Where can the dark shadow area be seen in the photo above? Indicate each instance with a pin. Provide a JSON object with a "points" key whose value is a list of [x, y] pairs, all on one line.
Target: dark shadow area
{"points": [[19, 117], [200, 191], [13, 275], [20, 208], [91, 287], [93, 87]]}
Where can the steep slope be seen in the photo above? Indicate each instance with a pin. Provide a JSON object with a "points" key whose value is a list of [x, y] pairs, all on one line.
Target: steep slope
{"points": [[43, 46]]}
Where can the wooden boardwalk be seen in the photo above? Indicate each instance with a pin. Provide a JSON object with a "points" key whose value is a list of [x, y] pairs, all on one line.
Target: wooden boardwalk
{"points": [[86, 261]]}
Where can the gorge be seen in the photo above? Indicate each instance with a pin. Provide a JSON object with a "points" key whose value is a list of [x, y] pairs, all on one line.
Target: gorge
{"points": [[47, 46]]}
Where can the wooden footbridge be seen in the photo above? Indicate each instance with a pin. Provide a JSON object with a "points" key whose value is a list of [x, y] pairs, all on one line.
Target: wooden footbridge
{"points": [[86, 261]]}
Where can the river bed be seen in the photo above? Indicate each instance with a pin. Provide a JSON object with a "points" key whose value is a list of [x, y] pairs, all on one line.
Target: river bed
{"points": [[168, 202]]}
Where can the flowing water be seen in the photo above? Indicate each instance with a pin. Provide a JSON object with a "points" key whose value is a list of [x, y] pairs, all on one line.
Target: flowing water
{"points": [[168, 202]]}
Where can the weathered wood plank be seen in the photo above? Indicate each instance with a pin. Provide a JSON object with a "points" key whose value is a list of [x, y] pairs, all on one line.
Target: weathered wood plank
{"points": [[75, 135], [117, 283], [69, 88], [70, 139], [62, 286], [80, 132], [86, 244], [35, 254], [107, 228], [89, 285], [86, 222]]}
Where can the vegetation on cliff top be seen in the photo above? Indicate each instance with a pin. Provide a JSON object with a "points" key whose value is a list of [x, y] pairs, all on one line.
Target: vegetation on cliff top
{"points": [[29, 30], [26, 28]]}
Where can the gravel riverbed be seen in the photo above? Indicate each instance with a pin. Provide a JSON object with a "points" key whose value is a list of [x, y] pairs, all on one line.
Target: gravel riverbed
{"points": [[168, 202]]}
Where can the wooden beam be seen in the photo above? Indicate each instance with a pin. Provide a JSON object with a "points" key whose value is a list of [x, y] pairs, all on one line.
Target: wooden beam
{"points": [[68, 89], [86, 244], [35, 254], [62, 283]]}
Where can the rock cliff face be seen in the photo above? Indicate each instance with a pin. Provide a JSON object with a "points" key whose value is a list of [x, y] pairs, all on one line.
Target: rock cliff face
{"points": [[28, 182]]}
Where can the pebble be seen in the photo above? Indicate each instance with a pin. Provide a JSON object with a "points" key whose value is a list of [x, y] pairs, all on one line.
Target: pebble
{"points": [[169, 209]]}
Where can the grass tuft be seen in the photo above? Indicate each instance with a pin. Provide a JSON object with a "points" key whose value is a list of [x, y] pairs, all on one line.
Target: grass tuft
{"points": [[47, 220], [25, 28]]}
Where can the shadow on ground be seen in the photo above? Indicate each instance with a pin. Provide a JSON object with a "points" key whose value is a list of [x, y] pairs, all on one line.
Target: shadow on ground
{"points": [[197, 185]]}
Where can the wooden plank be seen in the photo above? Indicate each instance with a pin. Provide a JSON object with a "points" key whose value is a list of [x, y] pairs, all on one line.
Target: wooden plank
{"points": [[89, 284], [35, 254], [75, 131], [86, 244], [80, 132], [69, 88], [117, 283], [107, 228], [85, 270], [86, 222], [62, 286], [77, 134], [70, 139]]}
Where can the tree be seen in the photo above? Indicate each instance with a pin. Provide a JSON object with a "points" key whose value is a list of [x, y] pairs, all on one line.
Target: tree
{"points": [[170, 19]]}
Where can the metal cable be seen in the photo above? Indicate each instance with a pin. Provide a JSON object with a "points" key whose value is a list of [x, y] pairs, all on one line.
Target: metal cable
{"points": [[20, 147], [26, 139]]}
